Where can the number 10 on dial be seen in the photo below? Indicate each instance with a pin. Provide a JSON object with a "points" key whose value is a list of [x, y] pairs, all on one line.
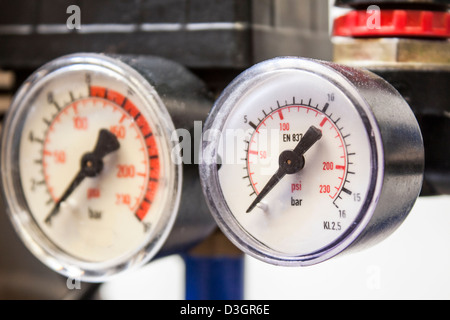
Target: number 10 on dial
{"points": [[312, 155], [86, 166]]}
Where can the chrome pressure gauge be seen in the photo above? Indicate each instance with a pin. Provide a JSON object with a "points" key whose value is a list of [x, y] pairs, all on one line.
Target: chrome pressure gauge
{"points": [[303, 159], [86, 167]]}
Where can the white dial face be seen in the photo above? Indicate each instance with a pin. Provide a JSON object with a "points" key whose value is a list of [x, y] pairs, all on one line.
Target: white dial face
{"points": [[294, 118], [93, 165]]}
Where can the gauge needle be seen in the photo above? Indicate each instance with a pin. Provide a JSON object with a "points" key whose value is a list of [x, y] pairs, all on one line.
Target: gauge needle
{"points": [[290, 162], [91, 166]]}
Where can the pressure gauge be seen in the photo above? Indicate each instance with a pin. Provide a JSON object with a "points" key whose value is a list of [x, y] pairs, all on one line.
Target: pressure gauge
{"points": [[304, 159], [87, 169]]}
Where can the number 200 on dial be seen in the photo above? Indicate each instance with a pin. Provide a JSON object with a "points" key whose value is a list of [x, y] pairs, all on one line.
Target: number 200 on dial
{"points": [[91, 184], [296, 159]]}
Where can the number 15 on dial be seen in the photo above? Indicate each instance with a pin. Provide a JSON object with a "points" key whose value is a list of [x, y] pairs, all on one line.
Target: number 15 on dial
{"points": [[314, 150]]}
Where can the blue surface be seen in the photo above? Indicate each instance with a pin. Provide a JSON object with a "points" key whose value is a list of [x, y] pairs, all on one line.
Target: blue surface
{"points": [[214, 278]]}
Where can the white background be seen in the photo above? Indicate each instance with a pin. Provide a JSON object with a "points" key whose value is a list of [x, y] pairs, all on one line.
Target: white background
{"points": [[413, 263]]}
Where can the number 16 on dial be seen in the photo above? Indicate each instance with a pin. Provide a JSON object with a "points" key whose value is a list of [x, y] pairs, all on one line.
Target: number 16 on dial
{"points": [[309, 159]]}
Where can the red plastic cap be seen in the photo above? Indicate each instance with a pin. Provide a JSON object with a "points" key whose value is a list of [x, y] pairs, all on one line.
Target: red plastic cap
{"points": [[393, 23]]}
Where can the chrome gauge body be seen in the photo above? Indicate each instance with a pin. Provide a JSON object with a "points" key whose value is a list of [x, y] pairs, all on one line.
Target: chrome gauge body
{"points": [[303, 159], [86, 167]]}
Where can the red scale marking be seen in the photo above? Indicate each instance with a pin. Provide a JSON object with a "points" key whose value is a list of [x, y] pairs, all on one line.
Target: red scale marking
{"points": [[151, 148], [118, 100], [131, 108], [322, 123], [115, 97], [98, 92], [155, 168], [280, 114]]}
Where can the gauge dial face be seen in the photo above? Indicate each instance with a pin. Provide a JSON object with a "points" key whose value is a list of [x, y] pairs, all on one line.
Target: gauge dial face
{"points": [[296, 164], [94, 166]]}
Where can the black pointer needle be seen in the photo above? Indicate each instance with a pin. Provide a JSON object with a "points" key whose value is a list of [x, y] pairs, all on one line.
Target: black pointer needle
{"points": [[91, 166], [309, 139], [290, 162]]}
